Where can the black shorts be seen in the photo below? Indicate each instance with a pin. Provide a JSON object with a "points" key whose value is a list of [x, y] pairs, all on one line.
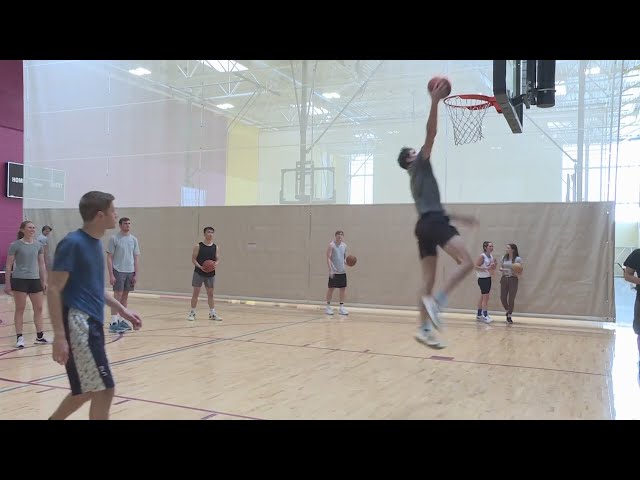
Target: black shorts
{"points": [[339, 280], [124, 281], [485, 285], [433, 229], [87, 368], [26, 285]]}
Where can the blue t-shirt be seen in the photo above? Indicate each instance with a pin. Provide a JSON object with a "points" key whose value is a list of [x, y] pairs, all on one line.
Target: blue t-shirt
{"points": [[81, 255]]}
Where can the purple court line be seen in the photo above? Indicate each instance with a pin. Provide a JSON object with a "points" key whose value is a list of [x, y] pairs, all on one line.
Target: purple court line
{"points": [[279, 344], [127, 398], [432, 357], [461, 324], [121, 402], [141, 357], [183, 348], [158, 315], [237, 338], [51, 330], [120, 335], [47, 390], [206, 417], [217, 325]]}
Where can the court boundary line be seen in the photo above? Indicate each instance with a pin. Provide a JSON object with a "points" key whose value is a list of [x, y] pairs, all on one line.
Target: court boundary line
{"points": [[126, 398]]}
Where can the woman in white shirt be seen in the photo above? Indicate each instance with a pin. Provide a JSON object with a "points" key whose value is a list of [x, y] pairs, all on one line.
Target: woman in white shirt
{"points": [[485, 265]]}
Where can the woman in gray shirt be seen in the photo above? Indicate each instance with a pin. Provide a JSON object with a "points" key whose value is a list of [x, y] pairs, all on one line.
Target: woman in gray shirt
{"points": [[509, 280], [26, 276]]}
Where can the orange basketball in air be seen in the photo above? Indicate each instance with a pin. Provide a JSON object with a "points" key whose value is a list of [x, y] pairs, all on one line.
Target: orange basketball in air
{"points": [[436, 80]]}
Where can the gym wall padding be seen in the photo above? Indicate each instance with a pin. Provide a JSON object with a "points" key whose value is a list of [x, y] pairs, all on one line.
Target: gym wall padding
{"points": [[278, 252]]}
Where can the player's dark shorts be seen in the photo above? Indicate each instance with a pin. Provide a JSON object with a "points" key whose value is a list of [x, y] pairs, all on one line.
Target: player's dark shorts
{"points": [[124, 281], [339, 280], [87, 368], [636, 315], [197, 280], [485, 285], [26, 285], [433, 230]]}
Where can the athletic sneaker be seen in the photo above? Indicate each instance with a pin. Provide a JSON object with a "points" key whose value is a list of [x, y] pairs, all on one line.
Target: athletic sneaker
{"points": [[433, 311], [429, 339]]}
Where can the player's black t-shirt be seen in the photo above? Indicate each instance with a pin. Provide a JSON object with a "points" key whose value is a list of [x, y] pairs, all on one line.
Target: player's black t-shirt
{"points": [[633, 261], [206, 252]]}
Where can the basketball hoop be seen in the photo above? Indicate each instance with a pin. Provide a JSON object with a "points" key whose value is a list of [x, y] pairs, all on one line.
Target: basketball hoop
{"points": [[467, 112]]}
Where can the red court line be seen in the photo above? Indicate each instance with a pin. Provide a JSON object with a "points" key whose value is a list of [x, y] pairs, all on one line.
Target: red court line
{"points": [[432, 357], [180, 349], [155, 402], [120, 335]]}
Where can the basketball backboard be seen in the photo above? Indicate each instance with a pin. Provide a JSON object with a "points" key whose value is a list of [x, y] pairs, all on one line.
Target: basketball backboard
{"points": [[521, 83], [510, 90], [307, 184]]}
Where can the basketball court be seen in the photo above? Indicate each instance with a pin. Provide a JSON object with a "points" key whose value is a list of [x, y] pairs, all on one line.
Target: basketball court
{"points": [[276, 355], [293, 362]]}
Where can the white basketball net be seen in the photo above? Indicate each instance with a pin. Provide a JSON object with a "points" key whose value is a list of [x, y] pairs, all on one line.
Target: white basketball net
{"points": [[466, 115]]}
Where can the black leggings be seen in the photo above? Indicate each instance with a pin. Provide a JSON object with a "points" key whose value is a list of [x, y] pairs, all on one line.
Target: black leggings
{"points": [[508, 291]]}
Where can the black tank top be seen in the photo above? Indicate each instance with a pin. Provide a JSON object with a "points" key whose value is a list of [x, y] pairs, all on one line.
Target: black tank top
{"points": [[206, 253]]}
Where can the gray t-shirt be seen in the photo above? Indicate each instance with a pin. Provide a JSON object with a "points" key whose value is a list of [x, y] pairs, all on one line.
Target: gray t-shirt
{"points": [[42, 238], [337, 257], [25, 264], [507, 265], [123, 248], [424, 186]]}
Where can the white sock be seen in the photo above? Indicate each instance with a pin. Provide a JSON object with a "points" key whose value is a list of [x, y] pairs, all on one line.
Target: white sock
{"points": [[114, 318], [213, 311], [193, 310]]}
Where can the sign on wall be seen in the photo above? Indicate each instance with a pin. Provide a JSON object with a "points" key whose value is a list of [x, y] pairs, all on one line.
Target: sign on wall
{"points": [[15, 180], [35, 183]]}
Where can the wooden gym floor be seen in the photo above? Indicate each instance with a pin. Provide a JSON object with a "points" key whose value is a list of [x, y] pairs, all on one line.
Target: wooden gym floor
{"points": [[286, 362]]}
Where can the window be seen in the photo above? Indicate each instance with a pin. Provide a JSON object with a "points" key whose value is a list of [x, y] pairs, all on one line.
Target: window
{"points": [[361, 179], [193, 197]]}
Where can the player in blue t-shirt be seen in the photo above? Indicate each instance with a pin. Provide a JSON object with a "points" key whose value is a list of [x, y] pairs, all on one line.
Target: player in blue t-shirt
{"points": [[76, 299]]}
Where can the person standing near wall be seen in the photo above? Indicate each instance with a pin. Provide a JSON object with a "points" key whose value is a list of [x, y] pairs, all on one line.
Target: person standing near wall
{"points": [[43, 238], [203, 252], [336, 255], [510, 279], [26, 276], [123, 252], [485, 265]]}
